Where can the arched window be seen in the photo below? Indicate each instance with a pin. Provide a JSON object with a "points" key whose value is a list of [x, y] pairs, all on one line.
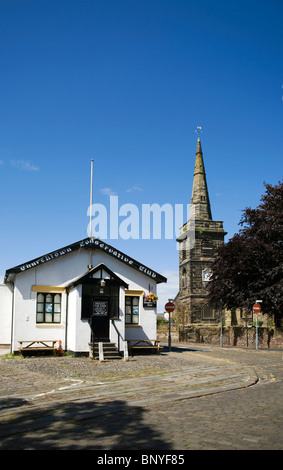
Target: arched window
{"points": [[184, 249], [184, 278], [207, 312]]}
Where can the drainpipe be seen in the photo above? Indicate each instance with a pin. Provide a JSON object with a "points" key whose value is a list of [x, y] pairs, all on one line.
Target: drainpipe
{"points": [[66, 325], [12, 320]]}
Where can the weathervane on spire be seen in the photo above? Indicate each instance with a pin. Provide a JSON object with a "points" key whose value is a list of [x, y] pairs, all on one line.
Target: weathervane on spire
{"points": [[198, 130]]}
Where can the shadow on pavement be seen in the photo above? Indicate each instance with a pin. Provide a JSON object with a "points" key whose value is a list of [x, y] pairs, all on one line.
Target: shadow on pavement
{"points": [[181, 349], [12, 402], [74, 426]]}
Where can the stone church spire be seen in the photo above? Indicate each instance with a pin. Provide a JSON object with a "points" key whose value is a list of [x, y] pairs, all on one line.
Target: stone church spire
{"points": [[200, 197], [197, 254]]}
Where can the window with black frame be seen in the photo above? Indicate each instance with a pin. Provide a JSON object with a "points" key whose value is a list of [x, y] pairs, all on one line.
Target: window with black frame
{"points": [[48, 308], [132, 310]]}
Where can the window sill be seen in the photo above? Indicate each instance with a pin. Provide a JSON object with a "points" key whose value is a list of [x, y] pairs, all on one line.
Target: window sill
{"points": [[48, 324], [132, 325]]}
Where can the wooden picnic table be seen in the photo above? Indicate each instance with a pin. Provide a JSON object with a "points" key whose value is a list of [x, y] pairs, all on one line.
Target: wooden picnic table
{"points": [[43, 345], [144, 344]]}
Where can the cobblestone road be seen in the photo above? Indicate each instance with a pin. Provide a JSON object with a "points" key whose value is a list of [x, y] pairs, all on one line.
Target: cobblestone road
{"points": [[188, 399]]}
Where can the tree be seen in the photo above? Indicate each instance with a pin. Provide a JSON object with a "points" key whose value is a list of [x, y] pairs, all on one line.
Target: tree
{"points": [[250, 265], [181, 316]]}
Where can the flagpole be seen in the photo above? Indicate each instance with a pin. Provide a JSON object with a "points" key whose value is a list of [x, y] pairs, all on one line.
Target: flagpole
{"points": [[91, 185], [90, 212]]}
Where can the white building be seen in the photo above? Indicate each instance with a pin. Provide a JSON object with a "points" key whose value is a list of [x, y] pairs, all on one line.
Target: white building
{"points": [[84, 289]]}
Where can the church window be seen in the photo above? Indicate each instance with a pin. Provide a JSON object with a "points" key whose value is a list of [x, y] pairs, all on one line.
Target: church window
{"points": [[207, 312], [184, 278], [184, 251], [207, 247]]}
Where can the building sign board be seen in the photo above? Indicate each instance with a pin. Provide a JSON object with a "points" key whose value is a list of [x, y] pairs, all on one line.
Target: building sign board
{"points": [[93, 243], [100, 308]]}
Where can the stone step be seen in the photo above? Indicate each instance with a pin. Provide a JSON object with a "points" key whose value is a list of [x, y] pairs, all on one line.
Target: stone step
{"points": [[110, 351]]}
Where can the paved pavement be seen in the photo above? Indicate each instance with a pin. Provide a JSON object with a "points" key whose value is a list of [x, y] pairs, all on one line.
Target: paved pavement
{"points": [[194, 397]]}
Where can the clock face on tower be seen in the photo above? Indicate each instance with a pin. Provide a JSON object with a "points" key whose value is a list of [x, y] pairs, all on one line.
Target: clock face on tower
{"points": [[206, 275]]}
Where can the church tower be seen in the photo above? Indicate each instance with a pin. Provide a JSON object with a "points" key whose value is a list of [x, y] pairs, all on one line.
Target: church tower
{"points": [[199, 239]]}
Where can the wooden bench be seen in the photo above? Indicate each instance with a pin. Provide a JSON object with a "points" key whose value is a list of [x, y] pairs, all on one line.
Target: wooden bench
{"points": [[35, 346], [144, 344]]}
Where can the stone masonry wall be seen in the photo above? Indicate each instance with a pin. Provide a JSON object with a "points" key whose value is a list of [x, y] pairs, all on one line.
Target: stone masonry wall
{"points": [[231, 336]]}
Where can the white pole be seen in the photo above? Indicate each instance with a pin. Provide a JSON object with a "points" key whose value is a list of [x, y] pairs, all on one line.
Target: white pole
{"points": [[90, 212], [256, 332], [100, 351], [126, 354], [91, 185]]}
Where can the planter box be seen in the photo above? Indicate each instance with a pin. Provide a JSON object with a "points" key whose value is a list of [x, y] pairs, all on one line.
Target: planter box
{"points": [[149, 304]]}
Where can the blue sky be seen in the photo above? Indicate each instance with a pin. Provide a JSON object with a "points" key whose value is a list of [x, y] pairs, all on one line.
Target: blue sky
{"points": [[126, 82]]}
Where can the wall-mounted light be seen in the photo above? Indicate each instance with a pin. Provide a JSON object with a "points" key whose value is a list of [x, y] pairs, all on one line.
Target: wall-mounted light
{"points": [[102, 285]]}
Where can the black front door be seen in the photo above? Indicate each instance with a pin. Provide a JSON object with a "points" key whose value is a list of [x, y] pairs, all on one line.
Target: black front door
{"points": [[100, 318]]}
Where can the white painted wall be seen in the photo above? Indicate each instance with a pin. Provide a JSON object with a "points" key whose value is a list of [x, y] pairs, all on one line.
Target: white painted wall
{"points": [[78, 330], [25, 327], [6, 296], [61, 272]]}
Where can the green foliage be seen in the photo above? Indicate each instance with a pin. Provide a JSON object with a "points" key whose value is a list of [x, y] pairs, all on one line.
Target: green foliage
{"points": [[250, 265]]}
